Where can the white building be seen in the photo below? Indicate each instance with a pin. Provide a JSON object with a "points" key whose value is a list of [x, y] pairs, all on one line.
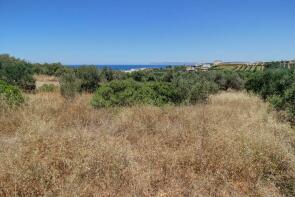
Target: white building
{"points": [[217, 62], [206, 66]]}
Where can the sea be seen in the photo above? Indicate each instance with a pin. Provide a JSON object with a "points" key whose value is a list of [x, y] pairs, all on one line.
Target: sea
{"points": [[127, 67]]}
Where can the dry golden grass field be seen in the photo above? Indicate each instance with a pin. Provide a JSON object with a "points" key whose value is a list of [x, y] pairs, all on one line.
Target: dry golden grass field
{"points": [[231, 146], [45, 79]]}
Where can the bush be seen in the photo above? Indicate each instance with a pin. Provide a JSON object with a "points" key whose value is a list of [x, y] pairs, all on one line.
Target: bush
{"points": [[201, 91], [276, 86], [54, 69], [10, 94], [89, 76], [47, 88], [270, 82], [289, 99], [70, 85], [130, 92], [116, 93], [168, 76], [285, 102], [158, 93], [228, 80], [106, 74], [138, 75], [193, 88], [17, 72], [277, 101], [234, 81]]}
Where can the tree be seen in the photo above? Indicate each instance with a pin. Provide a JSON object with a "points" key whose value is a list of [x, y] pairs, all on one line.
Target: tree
{"points": [[89, 76], [17, 72]]}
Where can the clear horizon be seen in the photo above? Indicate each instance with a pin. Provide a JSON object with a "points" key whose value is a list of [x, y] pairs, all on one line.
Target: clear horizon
{"points": [[143, 32]]}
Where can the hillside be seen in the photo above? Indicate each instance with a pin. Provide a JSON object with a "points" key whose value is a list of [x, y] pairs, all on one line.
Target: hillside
{"points": [[255, 66], [232, 145]]}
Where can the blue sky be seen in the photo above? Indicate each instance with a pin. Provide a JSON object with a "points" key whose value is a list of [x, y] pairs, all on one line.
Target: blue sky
{"points": [[145, 31]]}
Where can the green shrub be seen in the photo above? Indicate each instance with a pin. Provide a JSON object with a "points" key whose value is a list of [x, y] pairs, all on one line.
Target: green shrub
{"points": [[130, 92], [228, 80], [116, 93], [289, 99], [11, 95], [234, 81], [89, 76], [270, 82], [193, 88], [277, 101], [17, 72], [119, 75], [54, 69], [70, 85], [285, 102], [106, 74], [138, 75], [157, 93], [201, 91], [168, 76], [276, 86], [47, 88]]}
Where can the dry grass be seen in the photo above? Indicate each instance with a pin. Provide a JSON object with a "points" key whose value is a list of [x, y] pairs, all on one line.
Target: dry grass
{"points": [[232, 146], [45, 79]]}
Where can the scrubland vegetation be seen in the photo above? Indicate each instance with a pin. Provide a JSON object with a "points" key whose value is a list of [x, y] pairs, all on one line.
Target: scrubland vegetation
{"points": [[275, 86], [10, 95], [161, 132], [173, 85]]}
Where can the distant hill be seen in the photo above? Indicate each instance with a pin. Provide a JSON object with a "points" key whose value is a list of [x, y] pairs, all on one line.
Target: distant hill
{"points": [[257, 66]]}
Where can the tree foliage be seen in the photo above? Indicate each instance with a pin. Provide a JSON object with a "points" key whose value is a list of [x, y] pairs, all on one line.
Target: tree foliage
{"points": [[130, 92], [89, 77], [17, 72], [276, 86]]}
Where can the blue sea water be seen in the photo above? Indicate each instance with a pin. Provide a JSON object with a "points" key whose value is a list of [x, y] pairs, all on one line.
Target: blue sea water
{"points": [[127, 67]]}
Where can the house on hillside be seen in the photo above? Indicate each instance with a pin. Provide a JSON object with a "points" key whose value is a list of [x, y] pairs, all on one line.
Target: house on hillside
{"points": [[198, 67], [217, 62], [204, 67], [190, 68], [207, 65]]}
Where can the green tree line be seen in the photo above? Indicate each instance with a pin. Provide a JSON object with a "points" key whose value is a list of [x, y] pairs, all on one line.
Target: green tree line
{"points": [[170, 85]]}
